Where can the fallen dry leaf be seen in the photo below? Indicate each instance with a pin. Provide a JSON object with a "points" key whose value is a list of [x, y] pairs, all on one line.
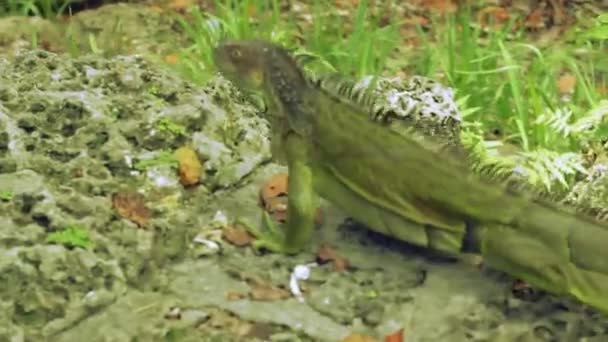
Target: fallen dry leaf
{"points": [[441, 6], [535, 20], [277, 208], [566, 83], [77, 172], [346, 4], [189, 166], [157, 9], [233, 295], [180, 5], [268, 292], [260, 331], [409, 24], [358, 338], [396, 336], [131, 205], [274, 196], [274, 187], [494, 14], [171, 59], [226, 322], [327, 253], [237, 235]]}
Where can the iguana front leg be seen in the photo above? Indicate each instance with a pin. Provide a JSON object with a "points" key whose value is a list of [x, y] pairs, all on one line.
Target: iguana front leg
{"points": [[301, 205]]}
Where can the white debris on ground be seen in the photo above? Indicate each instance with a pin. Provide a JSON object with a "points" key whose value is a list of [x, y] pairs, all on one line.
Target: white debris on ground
{"points": [[300, 272]]}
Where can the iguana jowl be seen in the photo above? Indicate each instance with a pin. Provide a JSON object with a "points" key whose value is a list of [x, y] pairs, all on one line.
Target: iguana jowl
{"points": [[408, 189]]}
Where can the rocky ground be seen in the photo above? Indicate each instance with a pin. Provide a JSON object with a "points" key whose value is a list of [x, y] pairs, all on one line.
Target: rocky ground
{"points": [[102, 237]]}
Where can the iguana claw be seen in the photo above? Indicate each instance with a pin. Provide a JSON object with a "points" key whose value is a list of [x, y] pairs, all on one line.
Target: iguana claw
{"points": [[270, 237]]}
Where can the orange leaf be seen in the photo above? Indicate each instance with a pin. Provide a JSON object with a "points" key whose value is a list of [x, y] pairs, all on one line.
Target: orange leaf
{"points": [[171, 59], [237, 236], [396, 336], [441, 6], [180, 5], [131, 206], [274, 195], [358, 338], [189, 166], [276, 186], [156, 9], [498, 14], [277, 208], [268, 292], [327, 253], [566, 83], [535, 19], [233, 295]]}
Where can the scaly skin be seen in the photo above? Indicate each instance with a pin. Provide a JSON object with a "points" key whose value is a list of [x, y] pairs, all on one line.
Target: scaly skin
{"points": [[408, 189]]}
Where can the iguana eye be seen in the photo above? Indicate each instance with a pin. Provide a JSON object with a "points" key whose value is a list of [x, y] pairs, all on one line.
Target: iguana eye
{"points": [[236, 53]]}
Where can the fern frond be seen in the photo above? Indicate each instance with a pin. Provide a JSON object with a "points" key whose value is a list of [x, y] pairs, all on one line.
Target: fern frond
{"points": [[592, 124], [546, 167], [485, 157], [542, 169], [559, 121]]}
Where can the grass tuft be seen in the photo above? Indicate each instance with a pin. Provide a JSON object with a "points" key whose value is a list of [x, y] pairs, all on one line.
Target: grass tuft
{"points": [[49, 9]]}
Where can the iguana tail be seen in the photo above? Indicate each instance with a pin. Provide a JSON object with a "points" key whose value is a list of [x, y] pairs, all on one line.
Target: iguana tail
{"points": [[552, 249]]}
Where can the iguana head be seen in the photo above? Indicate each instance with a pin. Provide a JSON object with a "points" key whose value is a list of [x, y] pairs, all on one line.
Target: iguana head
{"points": [[258, 66], [242, 62]]}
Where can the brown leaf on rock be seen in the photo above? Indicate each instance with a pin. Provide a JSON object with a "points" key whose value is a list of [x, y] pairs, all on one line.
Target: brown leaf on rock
{"points": [[274, 187], [268, 292], [396, 336], [189, 166], [358, 338], [172, 59], [237, 236], [260, 331], [233, 295], [77, 172], [274, 196], [327, 253], [157, 9], [131, 205], [227, 323], [180, 5], [277, 208]]}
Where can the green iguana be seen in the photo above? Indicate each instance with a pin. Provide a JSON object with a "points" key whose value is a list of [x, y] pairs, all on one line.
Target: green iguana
{"points": [[407, 189]]}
